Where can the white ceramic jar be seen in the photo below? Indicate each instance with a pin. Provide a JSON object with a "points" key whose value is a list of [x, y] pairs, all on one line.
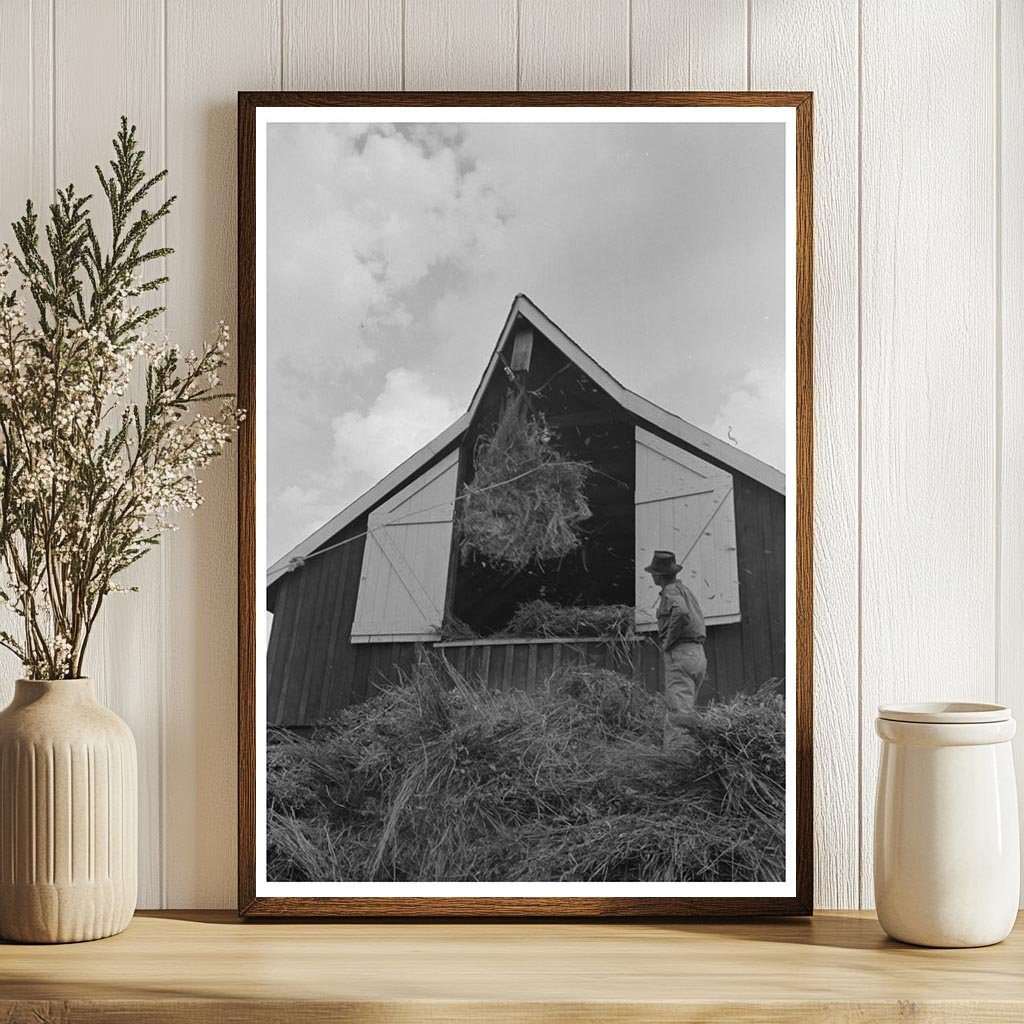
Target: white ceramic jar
{"points": [[947, 848]]}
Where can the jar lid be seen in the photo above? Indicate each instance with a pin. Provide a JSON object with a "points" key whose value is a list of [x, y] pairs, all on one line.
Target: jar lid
{"points": [[945, 712]]}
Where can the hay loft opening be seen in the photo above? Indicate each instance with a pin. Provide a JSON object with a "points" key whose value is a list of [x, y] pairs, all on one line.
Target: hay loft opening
{"points": [[586, 427]]}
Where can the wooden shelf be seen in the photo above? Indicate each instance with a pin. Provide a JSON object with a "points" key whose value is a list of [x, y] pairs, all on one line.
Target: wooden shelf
{"points": [[204, 967]]}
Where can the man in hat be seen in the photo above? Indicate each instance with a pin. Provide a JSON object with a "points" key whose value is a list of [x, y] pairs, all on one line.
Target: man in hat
{"points": [[681, 636]]}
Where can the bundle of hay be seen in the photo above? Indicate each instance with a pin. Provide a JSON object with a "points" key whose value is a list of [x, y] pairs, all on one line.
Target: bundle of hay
{"points": [[436, 780], [612, 623], [544, 619], [526, 499]]}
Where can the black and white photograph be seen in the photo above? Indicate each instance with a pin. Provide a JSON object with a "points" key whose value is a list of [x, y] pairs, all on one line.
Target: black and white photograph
{"points": [[526, 526]]}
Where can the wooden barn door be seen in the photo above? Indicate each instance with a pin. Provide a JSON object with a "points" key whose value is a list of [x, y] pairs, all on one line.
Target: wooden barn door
{"points": [[685, 504], [405, 561]]}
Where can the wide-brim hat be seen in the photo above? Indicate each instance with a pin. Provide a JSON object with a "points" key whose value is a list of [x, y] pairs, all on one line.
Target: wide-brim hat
{"points": [[663, 564]]}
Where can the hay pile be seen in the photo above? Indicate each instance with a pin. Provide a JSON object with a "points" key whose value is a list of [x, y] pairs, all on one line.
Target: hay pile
{"points": [[526, 499], [433, 780], [544, 619]]}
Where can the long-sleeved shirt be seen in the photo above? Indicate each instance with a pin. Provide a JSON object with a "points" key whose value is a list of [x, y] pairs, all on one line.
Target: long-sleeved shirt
{"points": [[680, 618]]}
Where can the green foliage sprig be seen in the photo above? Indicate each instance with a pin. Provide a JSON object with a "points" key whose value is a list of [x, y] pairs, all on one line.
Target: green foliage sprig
{"points": [[90, 476]]}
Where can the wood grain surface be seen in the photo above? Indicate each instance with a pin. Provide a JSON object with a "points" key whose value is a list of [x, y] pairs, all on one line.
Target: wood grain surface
{"points": [[228, 45], [578, 44], [130, 34], [784, 55], [688, 44], [467, 45], [928, 376], [1009, 269], [342, 44], [201, 967]]}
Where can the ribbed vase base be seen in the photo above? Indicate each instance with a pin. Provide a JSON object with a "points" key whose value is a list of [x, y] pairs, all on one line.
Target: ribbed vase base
{"points": [[63, 913], [68, 815]]}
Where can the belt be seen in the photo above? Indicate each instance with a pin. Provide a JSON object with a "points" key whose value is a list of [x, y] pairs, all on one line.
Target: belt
{"points": [[690, 640]]}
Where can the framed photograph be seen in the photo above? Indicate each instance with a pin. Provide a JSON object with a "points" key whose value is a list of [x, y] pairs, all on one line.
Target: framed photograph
{"points": [[525, 504]]}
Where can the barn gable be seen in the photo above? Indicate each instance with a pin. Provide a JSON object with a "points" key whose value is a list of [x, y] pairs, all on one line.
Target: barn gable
{"points": [[660, 421], [588, 426], [354, 600], [656, 419]]}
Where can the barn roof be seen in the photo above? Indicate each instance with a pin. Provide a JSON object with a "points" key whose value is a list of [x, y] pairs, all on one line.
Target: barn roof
{"points": [[642, 408]]}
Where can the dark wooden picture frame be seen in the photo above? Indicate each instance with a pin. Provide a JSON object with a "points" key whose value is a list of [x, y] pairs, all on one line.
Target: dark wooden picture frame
{"points": [[249, 903]]}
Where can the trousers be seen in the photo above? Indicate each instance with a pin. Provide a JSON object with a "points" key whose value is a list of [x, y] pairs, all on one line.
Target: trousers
{"points": [[685, 668]]}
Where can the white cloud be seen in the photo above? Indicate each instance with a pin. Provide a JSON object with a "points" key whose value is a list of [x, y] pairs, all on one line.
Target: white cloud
{"points": [[358, 219], [403, 417], [366, 225], [297, 511]]}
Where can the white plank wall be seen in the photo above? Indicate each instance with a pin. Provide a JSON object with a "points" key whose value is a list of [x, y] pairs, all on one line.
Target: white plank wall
{"points": [[468, 44], [689, 44], [1009, 187], [26, 155], [919, 306], [342, 44], [928, 516], [225, 46], [574, 44], [130, 33], [814, 46]]}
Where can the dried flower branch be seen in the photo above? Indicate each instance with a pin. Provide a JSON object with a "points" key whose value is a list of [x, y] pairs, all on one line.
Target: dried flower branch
{"points": [[89, 478]]}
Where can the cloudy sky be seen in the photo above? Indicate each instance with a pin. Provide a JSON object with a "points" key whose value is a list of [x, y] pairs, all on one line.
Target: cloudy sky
{"points": [[394, 252]]}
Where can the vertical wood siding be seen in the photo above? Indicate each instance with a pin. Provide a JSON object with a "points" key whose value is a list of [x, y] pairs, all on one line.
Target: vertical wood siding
{"points": [[919, 462], [577, 44], [929, 351], [528, 665], [813, 46], [130, 33], [1008, 507], [309, 641]]}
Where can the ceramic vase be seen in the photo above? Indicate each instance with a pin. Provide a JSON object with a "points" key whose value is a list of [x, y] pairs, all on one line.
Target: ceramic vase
{"points": [[68, 813], [947, 848]]}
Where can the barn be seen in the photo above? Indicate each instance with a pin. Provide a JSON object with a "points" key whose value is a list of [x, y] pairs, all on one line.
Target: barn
{"points": [[354, 603]]}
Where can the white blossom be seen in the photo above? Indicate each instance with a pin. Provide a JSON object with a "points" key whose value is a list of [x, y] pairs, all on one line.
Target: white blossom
{"points": [[103, 432]]}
